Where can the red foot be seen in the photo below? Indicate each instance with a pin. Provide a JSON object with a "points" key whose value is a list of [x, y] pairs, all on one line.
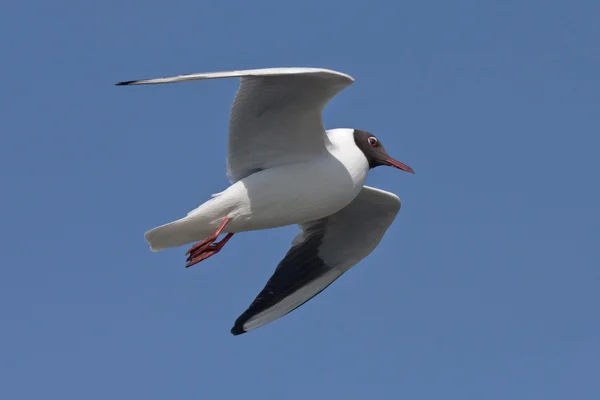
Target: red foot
{"points": [[207, 248]]}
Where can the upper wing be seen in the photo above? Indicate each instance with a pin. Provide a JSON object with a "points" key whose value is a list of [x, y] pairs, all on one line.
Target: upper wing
{"points": [[276, 115], [320, 254]]}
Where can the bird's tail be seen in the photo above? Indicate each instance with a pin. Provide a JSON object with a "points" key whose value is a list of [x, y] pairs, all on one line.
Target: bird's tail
{"points": [[177, 233]]}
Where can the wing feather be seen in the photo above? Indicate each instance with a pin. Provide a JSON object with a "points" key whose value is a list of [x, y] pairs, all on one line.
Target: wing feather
{"points": [[320, 254], [276, 116]]}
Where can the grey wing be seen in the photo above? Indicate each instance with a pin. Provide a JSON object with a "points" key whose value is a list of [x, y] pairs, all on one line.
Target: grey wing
{"points": [[276, 117], [320, 254]]}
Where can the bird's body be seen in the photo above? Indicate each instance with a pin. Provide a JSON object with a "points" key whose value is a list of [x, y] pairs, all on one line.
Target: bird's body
{"points": [[286, 169], [266, 198]]}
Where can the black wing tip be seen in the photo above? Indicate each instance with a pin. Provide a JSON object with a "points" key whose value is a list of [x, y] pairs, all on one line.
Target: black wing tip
{"points": [[238, 329], [124, 83]]}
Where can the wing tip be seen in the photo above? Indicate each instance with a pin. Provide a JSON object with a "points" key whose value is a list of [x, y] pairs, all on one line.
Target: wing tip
{"points": [[238, 329], [124, 83]]}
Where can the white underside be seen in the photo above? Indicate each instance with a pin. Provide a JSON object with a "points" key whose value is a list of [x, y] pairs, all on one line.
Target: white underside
{"points": [[280, 196]]}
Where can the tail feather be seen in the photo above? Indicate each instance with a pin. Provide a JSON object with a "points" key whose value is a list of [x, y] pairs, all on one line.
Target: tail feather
{"points": [[177, 233]]}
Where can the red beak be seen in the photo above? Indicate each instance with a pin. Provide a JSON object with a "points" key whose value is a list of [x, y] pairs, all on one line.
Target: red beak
{"points": [[397, 164]]}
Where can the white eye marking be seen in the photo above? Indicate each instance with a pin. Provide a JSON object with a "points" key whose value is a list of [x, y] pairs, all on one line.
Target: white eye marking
{"points": [[373, 141]]}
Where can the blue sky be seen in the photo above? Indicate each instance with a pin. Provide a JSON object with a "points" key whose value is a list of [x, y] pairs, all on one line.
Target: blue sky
{"points": [[485, 287]]}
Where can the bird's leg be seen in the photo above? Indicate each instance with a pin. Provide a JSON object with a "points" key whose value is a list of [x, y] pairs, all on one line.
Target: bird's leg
{"points": [[207, 248]]}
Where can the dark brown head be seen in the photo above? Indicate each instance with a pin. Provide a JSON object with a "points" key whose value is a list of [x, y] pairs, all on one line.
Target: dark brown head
{"points": [[375, 152]]}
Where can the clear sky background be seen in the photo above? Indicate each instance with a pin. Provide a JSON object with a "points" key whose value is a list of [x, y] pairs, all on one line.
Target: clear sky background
{"points": [[487, 285]]}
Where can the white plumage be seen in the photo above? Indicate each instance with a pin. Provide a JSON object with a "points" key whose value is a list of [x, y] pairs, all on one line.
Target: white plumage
{"points": [[286, 169]]}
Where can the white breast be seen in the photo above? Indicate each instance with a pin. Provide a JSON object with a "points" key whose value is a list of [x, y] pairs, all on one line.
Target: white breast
{"points": [[296, 193]]}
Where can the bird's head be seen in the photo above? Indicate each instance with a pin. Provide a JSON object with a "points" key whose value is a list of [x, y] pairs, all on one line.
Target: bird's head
{"points": [[375, 152]]}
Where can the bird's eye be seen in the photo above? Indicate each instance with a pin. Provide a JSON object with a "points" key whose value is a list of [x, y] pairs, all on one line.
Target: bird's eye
{"points": [[373, 141]]}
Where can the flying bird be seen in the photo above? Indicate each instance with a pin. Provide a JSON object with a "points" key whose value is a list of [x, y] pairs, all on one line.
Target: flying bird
{"points": [[286, 169]]}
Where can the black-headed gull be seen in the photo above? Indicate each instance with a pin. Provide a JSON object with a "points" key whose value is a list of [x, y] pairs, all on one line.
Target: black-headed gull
{"points": [[286, 169]]}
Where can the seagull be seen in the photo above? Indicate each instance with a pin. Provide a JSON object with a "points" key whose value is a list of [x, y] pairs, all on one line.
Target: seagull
{"points": [[286, 169]]}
